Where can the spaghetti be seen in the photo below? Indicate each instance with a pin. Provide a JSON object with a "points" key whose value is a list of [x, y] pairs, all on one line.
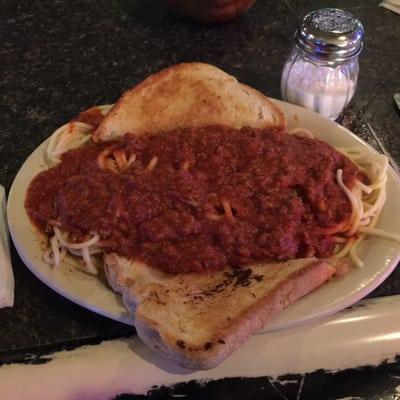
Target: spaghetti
{"points": [[347, 213], [367, 201], [74, 134]]}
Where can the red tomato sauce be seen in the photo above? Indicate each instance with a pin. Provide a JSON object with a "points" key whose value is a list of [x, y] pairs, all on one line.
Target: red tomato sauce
{"points": [[216, 197], [91, 116]]}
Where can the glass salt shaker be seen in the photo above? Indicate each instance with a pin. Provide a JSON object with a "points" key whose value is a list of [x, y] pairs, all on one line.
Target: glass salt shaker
{"points": [[322, 69]]}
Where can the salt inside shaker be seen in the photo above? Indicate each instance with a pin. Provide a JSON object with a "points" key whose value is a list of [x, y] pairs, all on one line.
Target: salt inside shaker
{"points": [[322, 69]]}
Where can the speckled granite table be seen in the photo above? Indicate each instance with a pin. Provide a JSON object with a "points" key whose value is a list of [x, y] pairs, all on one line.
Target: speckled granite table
{"points": [[59, 57]]}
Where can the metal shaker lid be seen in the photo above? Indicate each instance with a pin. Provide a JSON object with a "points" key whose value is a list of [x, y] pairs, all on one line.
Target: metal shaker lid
{"points": [[331, 34]]}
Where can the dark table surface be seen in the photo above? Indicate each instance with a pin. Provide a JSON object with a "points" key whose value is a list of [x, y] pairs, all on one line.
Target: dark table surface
{"points": [[59, 57]]}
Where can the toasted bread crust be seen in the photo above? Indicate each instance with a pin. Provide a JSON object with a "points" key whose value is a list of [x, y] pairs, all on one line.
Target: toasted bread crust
{"points": [[188, 95]]}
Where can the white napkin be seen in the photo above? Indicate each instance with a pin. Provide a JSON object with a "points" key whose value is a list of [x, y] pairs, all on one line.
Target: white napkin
{"points": [[393, 5], [6, 273]]}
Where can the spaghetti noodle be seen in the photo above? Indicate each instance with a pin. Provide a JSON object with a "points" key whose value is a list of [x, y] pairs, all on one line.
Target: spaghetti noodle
{"points": [[152, 164]]}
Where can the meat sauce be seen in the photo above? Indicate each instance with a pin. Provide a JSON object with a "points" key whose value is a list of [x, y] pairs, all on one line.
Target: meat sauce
{"points": [[91, 116], [213, 197]]}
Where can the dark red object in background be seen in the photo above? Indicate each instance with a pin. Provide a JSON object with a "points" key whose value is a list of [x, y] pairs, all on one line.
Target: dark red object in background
{"points": [[210, 10]]}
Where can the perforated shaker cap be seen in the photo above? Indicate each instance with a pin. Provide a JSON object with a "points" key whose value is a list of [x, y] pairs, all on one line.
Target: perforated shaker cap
{"points": [[331, 34]]}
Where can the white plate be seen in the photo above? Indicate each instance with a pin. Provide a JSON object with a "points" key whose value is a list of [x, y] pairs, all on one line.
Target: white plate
{"points": [[380, 255]]}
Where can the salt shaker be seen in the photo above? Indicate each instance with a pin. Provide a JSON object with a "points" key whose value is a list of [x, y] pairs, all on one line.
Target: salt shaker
{"points": [[322, 69]]}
